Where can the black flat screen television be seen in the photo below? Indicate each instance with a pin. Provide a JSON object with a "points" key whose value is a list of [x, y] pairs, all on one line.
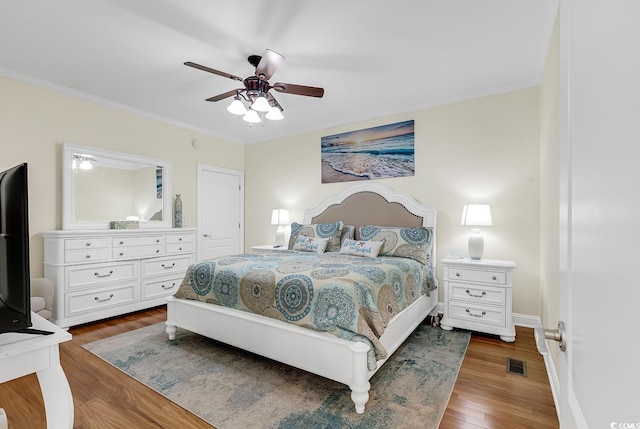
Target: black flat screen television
{"points": [[15, 297]]}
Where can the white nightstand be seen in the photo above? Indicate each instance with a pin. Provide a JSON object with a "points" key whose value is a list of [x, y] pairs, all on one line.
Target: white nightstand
{"points": [[478, 296], [267, 248]]}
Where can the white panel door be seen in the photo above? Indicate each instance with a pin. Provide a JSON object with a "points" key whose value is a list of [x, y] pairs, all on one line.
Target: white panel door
{"points": [[599, 375], [220, 211]]}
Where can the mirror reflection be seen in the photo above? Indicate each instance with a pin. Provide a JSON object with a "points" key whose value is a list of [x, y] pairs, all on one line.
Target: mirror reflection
{"points": [[103, 186]]}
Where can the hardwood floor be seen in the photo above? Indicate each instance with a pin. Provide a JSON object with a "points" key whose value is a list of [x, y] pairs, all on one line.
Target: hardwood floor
{"points": [[485, 395]]}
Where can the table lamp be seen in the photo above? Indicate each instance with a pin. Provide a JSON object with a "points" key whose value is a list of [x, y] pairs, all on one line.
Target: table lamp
{"points": [[280, 217], [476, 215]]}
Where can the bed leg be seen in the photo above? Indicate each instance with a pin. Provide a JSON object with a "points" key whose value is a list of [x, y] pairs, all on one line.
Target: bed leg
{"points": [[360, 396], [171, 331]]}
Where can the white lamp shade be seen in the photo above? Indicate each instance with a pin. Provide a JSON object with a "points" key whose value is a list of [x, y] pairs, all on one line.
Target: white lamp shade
{"points": [[237, 107], [274, 114], [476, 215], [252, 117], [261, 104], [280, 217]]}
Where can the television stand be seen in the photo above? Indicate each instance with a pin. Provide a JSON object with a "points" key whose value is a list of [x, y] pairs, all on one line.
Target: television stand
{"points": [[21, 355]]}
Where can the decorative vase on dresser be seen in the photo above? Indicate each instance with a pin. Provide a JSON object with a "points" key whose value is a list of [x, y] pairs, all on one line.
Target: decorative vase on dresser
{"points": [[478, 296], [177, 211], [105, 273]]}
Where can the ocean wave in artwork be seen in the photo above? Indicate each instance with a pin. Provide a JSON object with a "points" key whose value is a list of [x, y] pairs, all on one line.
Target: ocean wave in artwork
{"points": [[384, 158]]}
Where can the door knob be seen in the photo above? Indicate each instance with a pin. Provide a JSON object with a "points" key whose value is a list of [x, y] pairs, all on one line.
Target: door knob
{"points": [[550, 334]]}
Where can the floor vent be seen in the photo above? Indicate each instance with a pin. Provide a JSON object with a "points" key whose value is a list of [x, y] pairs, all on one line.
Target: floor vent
{"points": [[518, 367]]}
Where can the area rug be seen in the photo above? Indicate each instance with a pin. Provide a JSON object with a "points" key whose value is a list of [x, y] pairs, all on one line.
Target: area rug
{"points": [[231, 388]]}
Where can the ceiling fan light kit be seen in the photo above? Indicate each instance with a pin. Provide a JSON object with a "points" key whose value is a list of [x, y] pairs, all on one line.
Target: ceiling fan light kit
{"points": [[256, 89]]}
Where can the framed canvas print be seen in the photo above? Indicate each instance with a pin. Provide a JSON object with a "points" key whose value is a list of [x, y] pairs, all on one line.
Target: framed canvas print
{"points": [[372, 153]]}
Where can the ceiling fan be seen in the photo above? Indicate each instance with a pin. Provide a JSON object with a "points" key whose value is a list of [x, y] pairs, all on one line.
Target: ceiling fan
{"points": [[256, 88]]}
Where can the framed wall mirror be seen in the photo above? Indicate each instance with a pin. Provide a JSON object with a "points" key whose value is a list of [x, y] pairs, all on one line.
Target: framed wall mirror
{"points": [[100, 186]]}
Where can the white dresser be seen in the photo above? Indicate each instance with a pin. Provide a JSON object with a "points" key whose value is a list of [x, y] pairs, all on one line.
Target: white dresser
{"points": [[478, 296], [104, 273]]}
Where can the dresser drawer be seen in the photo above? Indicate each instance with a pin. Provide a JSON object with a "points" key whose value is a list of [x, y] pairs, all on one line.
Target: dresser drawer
{"points": [[138, 241], [166, 266], [477, 313], [158, 288], [81, 302], [87, 255], [87, 275], [85, 243], [183, 238], [477, 293], [185, 247], [137, 251], [463, 274]]}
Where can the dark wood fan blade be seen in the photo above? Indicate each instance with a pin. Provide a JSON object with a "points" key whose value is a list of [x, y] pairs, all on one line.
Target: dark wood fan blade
{"points": [[272, 101], [289, 88], [269, 63], [224, 95], [214, 71]]}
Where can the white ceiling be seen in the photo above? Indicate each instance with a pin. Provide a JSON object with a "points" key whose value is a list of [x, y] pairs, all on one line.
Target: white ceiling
{"points": [[374, 58]]}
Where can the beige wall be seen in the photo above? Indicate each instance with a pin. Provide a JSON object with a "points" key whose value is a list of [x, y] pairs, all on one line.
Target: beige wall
{"points": [[34, 123], [482, 150], [550, 189]]}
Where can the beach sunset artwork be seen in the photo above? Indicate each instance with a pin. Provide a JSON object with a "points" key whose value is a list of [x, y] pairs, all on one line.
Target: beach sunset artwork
{"points": [[373, 153]]}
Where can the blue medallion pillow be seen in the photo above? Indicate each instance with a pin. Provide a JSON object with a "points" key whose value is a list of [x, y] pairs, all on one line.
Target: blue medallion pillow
{"points": [[332, 231], [414, 243]]}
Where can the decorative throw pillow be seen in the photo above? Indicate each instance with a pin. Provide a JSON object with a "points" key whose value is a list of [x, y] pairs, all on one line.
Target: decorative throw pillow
{"points": [[310, 244], [370, 249], [414, 243], [348, 232], [331, 231]]}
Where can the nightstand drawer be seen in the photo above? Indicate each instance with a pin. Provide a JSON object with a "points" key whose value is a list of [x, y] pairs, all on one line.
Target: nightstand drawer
{"points": [[477, 313], [462, 274], [476, 293]]}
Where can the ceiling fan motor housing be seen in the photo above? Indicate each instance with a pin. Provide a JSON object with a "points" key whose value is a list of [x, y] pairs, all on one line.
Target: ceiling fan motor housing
{"points": [[256, 86]]}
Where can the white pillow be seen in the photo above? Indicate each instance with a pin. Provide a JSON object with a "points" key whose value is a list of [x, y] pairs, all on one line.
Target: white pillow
{"points": [[310, 244], [370, 249]]}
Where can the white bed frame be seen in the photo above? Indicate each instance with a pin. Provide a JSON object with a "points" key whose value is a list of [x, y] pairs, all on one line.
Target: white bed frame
{"points": [[316, 352]]}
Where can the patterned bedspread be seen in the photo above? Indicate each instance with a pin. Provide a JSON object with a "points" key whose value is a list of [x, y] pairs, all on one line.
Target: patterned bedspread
{"points": [[349, 296]]}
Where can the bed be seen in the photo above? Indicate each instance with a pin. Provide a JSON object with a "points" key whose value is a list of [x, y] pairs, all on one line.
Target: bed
{"points": [[348, 356]]}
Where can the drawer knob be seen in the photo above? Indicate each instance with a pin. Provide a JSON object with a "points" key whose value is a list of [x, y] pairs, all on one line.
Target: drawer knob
{"points": [[168, 267], [457, 274], [157, 250], [158, 240], [98, 275], [476, 296], [169, 287], [476, 315], [494, 278], [87, 256], [180, 239], [121, 254], [88, 244], [122, 242], [104, 299]]}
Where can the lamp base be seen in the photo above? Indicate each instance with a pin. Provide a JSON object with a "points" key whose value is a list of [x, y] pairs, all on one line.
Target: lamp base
{"points": [[280, 236], [476, 245]]}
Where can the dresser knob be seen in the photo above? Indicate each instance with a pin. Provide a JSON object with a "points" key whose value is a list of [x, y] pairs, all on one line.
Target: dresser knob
{"points": [[457, 274], [494, 278], [88, 256], [88, 244], [122, 242]]}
